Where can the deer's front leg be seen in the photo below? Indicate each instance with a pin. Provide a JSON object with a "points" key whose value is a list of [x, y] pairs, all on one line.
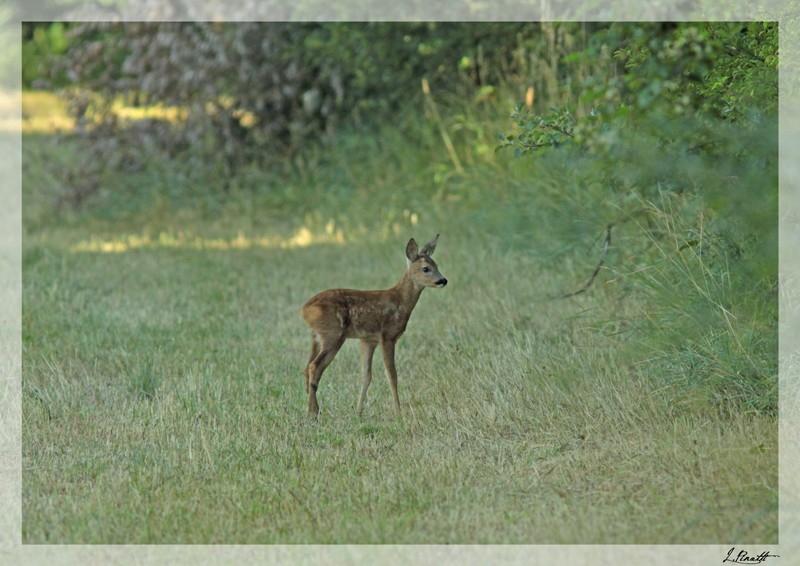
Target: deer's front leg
{"points": [[367, 350], [387, 348]]}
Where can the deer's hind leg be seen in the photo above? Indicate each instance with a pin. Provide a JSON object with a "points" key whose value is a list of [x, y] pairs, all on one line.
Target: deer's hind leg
{"points": [[314, 353], [328, 347]]}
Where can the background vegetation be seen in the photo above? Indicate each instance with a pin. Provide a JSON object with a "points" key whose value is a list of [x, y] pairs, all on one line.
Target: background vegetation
{"points": [[208, 178]]}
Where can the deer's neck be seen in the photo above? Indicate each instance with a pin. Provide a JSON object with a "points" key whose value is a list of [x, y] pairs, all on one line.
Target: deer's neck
{"points": [[407, 291]]}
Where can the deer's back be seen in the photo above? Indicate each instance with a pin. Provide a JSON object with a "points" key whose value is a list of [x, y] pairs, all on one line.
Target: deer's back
{"points": [[359, 314]]}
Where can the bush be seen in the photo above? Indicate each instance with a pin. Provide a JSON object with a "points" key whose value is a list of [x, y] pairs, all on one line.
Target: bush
{"points": [[262, 92], [684, 141]]}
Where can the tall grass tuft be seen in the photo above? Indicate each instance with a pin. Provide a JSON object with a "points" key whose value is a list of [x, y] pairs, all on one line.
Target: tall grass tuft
{"points": [[711, 330], [144, 376]]}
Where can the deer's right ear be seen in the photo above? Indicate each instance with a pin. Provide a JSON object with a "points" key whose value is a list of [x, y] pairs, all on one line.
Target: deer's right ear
{"points": [[428, 248], [411, 249]]}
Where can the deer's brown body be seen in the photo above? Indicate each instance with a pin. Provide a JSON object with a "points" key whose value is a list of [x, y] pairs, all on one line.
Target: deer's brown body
{"points": [[374, 317]]}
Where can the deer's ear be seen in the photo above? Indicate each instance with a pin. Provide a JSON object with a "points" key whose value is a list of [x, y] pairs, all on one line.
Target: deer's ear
{"points": [[430, 246], [411, 249]]}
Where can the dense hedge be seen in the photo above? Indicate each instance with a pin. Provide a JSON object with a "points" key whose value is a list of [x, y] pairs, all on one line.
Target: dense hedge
{"points": [[263, 92]]}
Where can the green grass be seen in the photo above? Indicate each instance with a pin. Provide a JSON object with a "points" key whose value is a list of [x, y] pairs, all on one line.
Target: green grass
{"points": [[164, 403], [163, 350]]}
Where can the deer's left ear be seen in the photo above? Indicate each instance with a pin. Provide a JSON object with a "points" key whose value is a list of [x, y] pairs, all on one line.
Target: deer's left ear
{"points": [[411, 249], [429, 247]]}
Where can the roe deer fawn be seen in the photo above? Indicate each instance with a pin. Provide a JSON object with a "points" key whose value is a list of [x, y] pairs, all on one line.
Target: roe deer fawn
{"points": [[375, 317]]}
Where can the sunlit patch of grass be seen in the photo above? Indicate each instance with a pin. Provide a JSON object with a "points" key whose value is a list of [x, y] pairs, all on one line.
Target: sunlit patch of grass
{"points": [[328, 233], [149, 112], [312, 232], [43, 112], [302, 238]]}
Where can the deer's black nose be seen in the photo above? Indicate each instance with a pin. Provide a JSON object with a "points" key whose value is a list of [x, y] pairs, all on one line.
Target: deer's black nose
{"points": [[441, 282]]}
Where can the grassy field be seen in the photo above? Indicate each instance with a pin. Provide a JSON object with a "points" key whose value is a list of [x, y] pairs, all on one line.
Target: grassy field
{"points": [[164, 401]]}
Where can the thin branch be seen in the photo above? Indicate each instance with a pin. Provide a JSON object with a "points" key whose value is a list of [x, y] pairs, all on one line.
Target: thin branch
{"points": [[596, 269], [561, 131]]}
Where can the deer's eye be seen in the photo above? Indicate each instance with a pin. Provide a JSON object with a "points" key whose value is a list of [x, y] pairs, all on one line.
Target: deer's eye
{"points": [[426, 270]]}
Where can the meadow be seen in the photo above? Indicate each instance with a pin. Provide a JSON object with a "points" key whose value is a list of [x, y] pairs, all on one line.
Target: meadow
{"points": [[163, 350]]}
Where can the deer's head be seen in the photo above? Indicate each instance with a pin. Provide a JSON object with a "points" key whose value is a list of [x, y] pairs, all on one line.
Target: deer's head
{"points": [[423, 270]]}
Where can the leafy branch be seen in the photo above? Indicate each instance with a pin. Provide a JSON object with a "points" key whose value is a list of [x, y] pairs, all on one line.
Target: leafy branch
{"points": [[536, 132]]}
